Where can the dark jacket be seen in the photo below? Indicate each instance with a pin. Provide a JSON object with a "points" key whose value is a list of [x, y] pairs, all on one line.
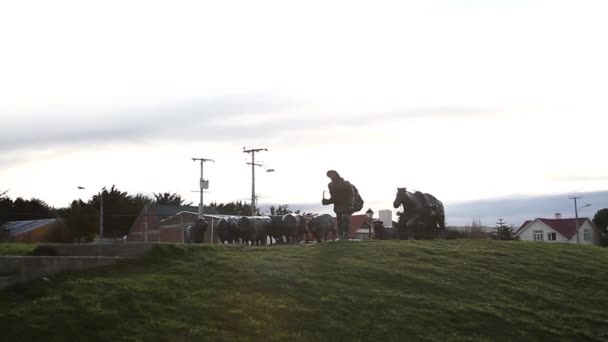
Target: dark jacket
{"points": [[341, 193]]}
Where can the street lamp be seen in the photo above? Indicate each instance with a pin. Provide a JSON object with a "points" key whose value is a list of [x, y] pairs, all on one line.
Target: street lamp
{"points": [[369, 213], [585, 206], [100, 210], [576, 211]]}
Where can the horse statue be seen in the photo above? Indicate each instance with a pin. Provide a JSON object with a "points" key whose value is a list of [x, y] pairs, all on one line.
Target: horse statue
{"points": [[420, 212]]}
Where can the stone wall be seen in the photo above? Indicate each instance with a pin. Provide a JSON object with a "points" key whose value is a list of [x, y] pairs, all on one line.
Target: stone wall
{"points": [[21, 269]]}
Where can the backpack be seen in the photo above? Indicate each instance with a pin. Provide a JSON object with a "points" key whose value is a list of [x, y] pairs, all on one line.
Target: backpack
{"points": [[357, 200]]}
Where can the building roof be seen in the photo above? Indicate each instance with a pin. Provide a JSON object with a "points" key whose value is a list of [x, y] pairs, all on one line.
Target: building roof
{"points": [[522, 227], [566, 227], [356, 222], [15, 228]]}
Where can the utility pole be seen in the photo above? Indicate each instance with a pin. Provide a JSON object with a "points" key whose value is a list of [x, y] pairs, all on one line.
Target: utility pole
{"points": [[204, 184], [253, 165], [576, 215], [101, 214]]}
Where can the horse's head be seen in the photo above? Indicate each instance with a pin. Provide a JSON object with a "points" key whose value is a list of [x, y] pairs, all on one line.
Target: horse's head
{"points": [[400, 197]]}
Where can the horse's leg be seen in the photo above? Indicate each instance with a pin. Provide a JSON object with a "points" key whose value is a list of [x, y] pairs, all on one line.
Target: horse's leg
{"points": [[411, 226], [441, 224]]}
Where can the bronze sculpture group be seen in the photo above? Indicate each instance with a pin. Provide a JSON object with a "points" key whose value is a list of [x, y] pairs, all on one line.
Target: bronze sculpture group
{"points": [[423, 216]]}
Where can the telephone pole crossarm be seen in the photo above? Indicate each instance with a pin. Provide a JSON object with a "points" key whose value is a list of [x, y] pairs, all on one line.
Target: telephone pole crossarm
{"points": [[253, 165]]}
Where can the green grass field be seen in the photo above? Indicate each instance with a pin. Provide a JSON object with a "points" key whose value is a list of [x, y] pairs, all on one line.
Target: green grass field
{"points": [[343, 291], [17, 248]]}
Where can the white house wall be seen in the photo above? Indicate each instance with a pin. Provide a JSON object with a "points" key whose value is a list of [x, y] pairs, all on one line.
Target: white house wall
{"points": [[595, 235], [528, 233]]}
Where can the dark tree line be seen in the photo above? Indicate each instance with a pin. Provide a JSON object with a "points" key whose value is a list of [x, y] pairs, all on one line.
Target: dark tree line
{"points": [[82, 217], [120, 209], [167, 198], [21, 209], [237, 208]]}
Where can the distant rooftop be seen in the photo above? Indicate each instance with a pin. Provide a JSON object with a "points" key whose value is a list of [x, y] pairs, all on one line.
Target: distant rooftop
{"points": [[19, 227], [566, 226]]}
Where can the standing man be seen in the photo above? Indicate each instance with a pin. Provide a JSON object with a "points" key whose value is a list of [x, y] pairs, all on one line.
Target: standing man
{"points": [[341, 192]]}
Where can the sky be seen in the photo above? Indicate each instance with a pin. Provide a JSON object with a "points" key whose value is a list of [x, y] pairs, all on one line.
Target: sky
{"points": [[467, 100]]}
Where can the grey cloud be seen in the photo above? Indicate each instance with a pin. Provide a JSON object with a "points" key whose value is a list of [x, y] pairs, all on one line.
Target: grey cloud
{"points": [[151, 122], [228, 118], [580, 178], [516, 210]]}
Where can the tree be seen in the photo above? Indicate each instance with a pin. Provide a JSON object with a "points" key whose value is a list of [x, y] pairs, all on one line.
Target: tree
{"points": [[82, 219], [22, 210], [600, 219], [168, 198], [119, 210], [281, 209], [233, 208], [502, 231], [5, 206]]}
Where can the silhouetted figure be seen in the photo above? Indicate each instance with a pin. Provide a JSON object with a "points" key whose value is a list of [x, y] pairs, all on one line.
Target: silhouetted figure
{"points": [[341, 192]]}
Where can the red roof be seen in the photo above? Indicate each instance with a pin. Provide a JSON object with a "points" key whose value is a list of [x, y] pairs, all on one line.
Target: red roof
{"points": [[566, 227], [356, 221], [522, 227]]}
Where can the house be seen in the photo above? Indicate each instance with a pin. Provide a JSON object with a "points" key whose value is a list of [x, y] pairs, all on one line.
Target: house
{"points": [[47, 230], [359, 224], [359, 227], [146, 227], [560, 230]]}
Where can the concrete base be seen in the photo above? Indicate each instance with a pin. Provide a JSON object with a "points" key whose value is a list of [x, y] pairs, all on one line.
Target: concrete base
{"points": [[21, 269]]}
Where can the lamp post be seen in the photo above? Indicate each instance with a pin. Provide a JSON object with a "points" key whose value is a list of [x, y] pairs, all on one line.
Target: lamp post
{"points": [[576, 210], [585, 206], [100, 210], [369, 213]]}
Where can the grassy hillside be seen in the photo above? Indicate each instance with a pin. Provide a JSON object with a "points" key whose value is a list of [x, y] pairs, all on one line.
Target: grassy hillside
{"points": [[343, 291]]}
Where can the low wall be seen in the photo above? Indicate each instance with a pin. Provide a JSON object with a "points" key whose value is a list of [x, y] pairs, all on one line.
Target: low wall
{"points": [[21, 269], [134, 249]]}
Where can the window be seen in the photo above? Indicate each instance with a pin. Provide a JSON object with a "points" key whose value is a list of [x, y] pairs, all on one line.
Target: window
{"points": [[538, 235], [551, 236], [586, 235]]}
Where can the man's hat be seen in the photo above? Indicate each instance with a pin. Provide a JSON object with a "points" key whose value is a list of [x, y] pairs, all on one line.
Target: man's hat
{"points": [[332, 173]]}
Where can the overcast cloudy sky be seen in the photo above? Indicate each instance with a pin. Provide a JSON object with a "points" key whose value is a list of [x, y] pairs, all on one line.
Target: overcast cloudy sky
{"points": [[466, 100]]}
